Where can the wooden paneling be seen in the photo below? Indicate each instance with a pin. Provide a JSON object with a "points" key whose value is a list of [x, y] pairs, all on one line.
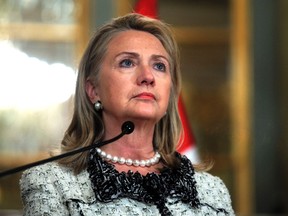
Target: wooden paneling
{"points": [[39, 32], [241, 105], [76, 34], [201, 35], [83, 20]]}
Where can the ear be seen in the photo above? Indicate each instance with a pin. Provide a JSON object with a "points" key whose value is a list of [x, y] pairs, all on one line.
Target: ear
{"points": [[91, 91]]}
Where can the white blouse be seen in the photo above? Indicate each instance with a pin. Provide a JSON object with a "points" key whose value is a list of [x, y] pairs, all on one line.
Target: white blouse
{"points": [[51, 189]]}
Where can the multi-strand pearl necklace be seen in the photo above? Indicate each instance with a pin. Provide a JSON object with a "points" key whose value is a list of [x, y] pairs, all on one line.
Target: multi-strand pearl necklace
{"points": [[129, 162]]}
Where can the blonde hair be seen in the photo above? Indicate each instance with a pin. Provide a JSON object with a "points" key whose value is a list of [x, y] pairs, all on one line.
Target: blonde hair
{"points": [[87, 126]]}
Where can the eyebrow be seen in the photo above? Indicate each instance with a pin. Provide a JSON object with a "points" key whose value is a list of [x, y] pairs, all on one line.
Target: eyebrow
{"points": [[160, 56], [134, 54], [127, 53]]}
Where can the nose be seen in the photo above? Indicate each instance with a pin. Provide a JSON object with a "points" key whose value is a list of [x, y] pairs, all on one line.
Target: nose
{"points": [[145, 76]]}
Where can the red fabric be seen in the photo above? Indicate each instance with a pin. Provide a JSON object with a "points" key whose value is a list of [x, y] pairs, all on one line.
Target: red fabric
{"points": [[150, 8], [147, 7]]}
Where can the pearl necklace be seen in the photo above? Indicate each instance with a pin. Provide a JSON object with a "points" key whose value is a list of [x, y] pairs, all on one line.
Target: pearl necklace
{"points": [[129, 162]]}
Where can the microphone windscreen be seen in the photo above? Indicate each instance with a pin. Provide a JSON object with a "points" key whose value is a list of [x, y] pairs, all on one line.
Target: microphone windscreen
{"points": [[127, 127]]}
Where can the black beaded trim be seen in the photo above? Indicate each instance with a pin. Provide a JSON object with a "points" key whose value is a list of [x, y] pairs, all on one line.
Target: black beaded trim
{"points": [[108, 184]]}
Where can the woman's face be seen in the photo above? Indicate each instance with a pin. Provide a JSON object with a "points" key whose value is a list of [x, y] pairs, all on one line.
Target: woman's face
{"points": [[135, 79]]}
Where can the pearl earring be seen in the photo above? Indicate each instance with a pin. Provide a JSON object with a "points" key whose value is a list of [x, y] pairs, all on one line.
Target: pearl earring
{"points": [[98, 106]]}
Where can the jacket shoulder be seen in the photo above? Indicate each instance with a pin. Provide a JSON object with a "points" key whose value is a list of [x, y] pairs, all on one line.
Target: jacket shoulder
{"points": [[60, 179], [212, 190]]}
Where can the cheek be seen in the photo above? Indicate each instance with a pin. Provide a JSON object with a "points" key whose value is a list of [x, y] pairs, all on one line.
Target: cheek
{"points": [[168, 97], [112, 90], [106, 84], [166, 91]]}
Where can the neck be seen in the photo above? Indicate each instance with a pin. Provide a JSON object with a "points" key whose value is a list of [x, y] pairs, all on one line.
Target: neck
{"points": [[137, 145]]}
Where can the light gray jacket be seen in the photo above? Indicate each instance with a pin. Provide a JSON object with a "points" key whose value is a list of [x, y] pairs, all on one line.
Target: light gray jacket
{"points": [[52, 189]]}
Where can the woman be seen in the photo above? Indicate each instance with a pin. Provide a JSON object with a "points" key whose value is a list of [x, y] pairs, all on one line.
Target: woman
{"points": [[129, 71]]}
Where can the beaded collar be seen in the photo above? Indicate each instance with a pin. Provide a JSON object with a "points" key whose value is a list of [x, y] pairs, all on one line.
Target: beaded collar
{"points": [[109, 184]]}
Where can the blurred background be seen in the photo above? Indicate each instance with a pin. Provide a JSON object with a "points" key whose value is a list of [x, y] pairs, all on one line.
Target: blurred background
{"points": [[235, 87]]}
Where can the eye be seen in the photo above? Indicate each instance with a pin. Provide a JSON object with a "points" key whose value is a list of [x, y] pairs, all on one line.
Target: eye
{"points": [[126, 63], [160, 66]]}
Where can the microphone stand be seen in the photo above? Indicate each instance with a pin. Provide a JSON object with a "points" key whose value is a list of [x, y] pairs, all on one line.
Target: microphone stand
{"points": [[127, 128]]}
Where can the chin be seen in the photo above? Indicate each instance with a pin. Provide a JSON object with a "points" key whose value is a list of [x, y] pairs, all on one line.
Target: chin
{"points": [[145, 113], [146, 117]]}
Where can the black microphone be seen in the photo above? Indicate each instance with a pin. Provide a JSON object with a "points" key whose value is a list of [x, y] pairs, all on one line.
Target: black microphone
{"points": [[127, 128]]}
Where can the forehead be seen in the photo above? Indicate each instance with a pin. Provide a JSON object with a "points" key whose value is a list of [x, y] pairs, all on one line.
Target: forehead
{"points": [[134, 39]]}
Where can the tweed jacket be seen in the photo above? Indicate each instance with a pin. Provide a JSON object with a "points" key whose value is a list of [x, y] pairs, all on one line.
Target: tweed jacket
{"points": [[52, 189]]}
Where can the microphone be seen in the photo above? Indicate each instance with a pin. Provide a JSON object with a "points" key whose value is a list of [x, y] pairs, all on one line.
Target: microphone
{"points": [[127, 128]]}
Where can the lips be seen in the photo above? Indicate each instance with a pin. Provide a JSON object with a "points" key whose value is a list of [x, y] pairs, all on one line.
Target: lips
{"points": [[146, 96]]}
